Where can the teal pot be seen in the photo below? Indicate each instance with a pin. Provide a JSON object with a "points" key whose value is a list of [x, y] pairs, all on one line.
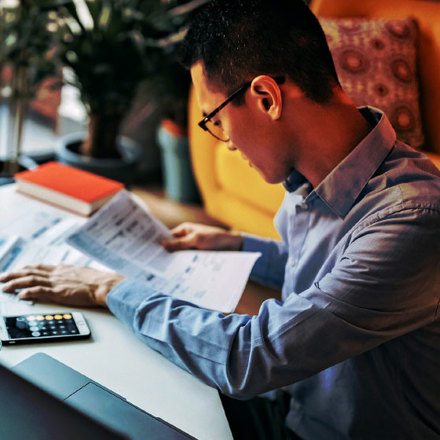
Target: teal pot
{"points": [[176, 164], [124, 169]]}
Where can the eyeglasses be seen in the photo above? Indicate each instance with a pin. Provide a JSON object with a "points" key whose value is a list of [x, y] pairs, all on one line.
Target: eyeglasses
{"points": [[214, 128]]}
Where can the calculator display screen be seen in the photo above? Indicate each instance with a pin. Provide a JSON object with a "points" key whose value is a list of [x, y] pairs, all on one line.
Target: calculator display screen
{"points": [[41, 326]]}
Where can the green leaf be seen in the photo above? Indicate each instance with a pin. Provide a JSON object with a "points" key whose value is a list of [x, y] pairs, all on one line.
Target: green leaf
{"points": [[105, 15], [71, 8]]}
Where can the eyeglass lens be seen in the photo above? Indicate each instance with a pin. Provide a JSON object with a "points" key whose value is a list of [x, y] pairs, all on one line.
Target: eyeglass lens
{"points": [[216, 130]]}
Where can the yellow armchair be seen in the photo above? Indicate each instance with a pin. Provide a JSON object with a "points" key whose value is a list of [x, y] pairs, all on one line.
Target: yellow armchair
{"points": [[237, 195]]}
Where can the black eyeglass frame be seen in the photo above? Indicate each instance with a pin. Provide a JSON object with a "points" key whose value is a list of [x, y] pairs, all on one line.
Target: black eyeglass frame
{"points": [[207, 118]]}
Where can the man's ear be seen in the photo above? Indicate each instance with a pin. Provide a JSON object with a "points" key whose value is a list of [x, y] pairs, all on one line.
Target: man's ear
{"points": [[267, 95]]}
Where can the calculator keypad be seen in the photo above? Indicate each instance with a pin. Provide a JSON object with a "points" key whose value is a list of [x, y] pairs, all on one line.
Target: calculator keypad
{"points": [[36, 325]]}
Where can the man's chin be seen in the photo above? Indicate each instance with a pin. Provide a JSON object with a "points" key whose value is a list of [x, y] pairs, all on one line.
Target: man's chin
{"points": [[268, 178]]}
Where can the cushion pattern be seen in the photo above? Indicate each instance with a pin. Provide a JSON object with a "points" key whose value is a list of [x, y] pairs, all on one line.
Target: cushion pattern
{"points": [[376, 61]]}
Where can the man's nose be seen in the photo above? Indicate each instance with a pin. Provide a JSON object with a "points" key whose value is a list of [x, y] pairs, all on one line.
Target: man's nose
{"points": [[231, 146]]}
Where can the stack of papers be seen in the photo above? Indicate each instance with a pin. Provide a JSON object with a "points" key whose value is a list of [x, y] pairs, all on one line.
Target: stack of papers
{"points": [[34, 238], [123, 236]]}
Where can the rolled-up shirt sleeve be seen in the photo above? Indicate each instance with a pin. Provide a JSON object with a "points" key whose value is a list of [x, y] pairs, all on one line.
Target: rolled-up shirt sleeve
{"points": [[382, 286]]}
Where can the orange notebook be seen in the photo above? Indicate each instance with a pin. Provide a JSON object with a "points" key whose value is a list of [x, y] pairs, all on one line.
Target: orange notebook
{"points": [[67, 187]]}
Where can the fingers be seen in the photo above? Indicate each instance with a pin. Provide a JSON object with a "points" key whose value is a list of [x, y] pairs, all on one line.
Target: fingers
{"points": [[7, 276], [63, 284], [40, 267], [50, 295], [26, 281], [179, 232], [180, 239], [39, 293], [41, 270], [179, 244], [183, 229]]}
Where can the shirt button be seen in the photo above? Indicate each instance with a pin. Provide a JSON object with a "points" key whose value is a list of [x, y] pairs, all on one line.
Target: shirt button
{"points": [[291, 261]]}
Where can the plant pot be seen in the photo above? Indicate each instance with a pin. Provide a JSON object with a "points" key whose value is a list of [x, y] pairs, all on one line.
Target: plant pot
{"points": [[124, 169], [177, 171], [24, 163]]}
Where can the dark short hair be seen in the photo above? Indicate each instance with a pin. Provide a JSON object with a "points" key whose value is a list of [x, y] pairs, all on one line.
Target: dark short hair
{"points": [[237, 40]]}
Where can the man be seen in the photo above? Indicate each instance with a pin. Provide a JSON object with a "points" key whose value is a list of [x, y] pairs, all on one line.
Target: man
{"points": [[355, 343]]}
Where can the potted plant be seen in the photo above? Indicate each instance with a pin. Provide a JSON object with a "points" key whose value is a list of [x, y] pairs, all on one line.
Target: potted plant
{"points": [[110, 47], [27, 40]]}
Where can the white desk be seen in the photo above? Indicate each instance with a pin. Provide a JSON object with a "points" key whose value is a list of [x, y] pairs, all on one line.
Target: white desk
{"points": [[114, 357]]}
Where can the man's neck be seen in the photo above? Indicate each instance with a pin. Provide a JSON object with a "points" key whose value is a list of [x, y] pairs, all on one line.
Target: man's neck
{"points": [[338, 128]]}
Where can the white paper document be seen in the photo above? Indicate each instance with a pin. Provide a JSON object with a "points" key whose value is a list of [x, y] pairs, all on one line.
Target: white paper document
{"points": [[41, 241], [125, 237], [9, 303]]}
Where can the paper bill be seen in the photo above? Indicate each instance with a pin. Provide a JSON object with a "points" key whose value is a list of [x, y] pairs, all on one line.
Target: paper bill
{"points": [[42, 242], [124, 236]]}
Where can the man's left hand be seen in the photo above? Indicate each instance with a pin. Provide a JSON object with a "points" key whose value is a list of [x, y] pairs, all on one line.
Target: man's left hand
{"points": [[62, 284]]}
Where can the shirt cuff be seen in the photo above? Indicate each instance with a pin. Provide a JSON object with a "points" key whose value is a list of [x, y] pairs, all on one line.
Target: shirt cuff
{"points": [[269, 268], [251, 243], [125, 298]]}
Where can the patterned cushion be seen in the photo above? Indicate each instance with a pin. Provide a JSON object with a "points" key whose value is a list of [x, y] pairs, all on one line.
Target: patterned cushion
{"points": [[376, 64]]}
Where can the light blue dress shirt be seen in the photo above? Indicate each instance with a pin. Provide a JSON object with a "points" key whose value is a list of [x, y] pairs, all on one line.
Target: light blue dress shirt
{"points": [[356, 339]]}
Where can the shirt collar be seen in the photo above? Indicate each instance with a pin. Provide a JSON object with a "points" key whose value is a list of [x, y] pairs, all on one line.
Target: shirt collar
{"points": [[342, 186]]}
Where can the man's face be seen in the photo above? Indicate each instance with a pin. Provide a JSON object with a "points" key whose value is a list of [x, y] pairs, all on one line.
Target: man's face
{"points": [[247, 126]]}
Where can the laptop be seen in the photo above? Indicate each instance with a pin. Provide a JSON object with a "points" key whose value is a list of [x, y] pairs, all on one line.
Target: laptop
{"points": [[43, 394]]}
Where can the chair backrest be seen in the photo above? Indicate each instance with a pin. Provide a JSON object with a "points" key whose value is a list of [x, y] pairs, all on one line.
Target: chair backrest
{"points": [[203, 151]]}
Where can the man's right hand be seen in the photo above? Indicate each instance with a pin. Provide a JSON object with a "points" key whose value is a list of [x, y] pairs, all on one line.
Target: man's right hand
{"points": [[203, 237]]}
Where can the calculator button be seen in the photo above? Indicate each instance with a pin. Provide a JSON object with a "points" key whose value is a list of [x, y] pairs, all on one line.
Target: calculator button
{"points": [[36, 334]]}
